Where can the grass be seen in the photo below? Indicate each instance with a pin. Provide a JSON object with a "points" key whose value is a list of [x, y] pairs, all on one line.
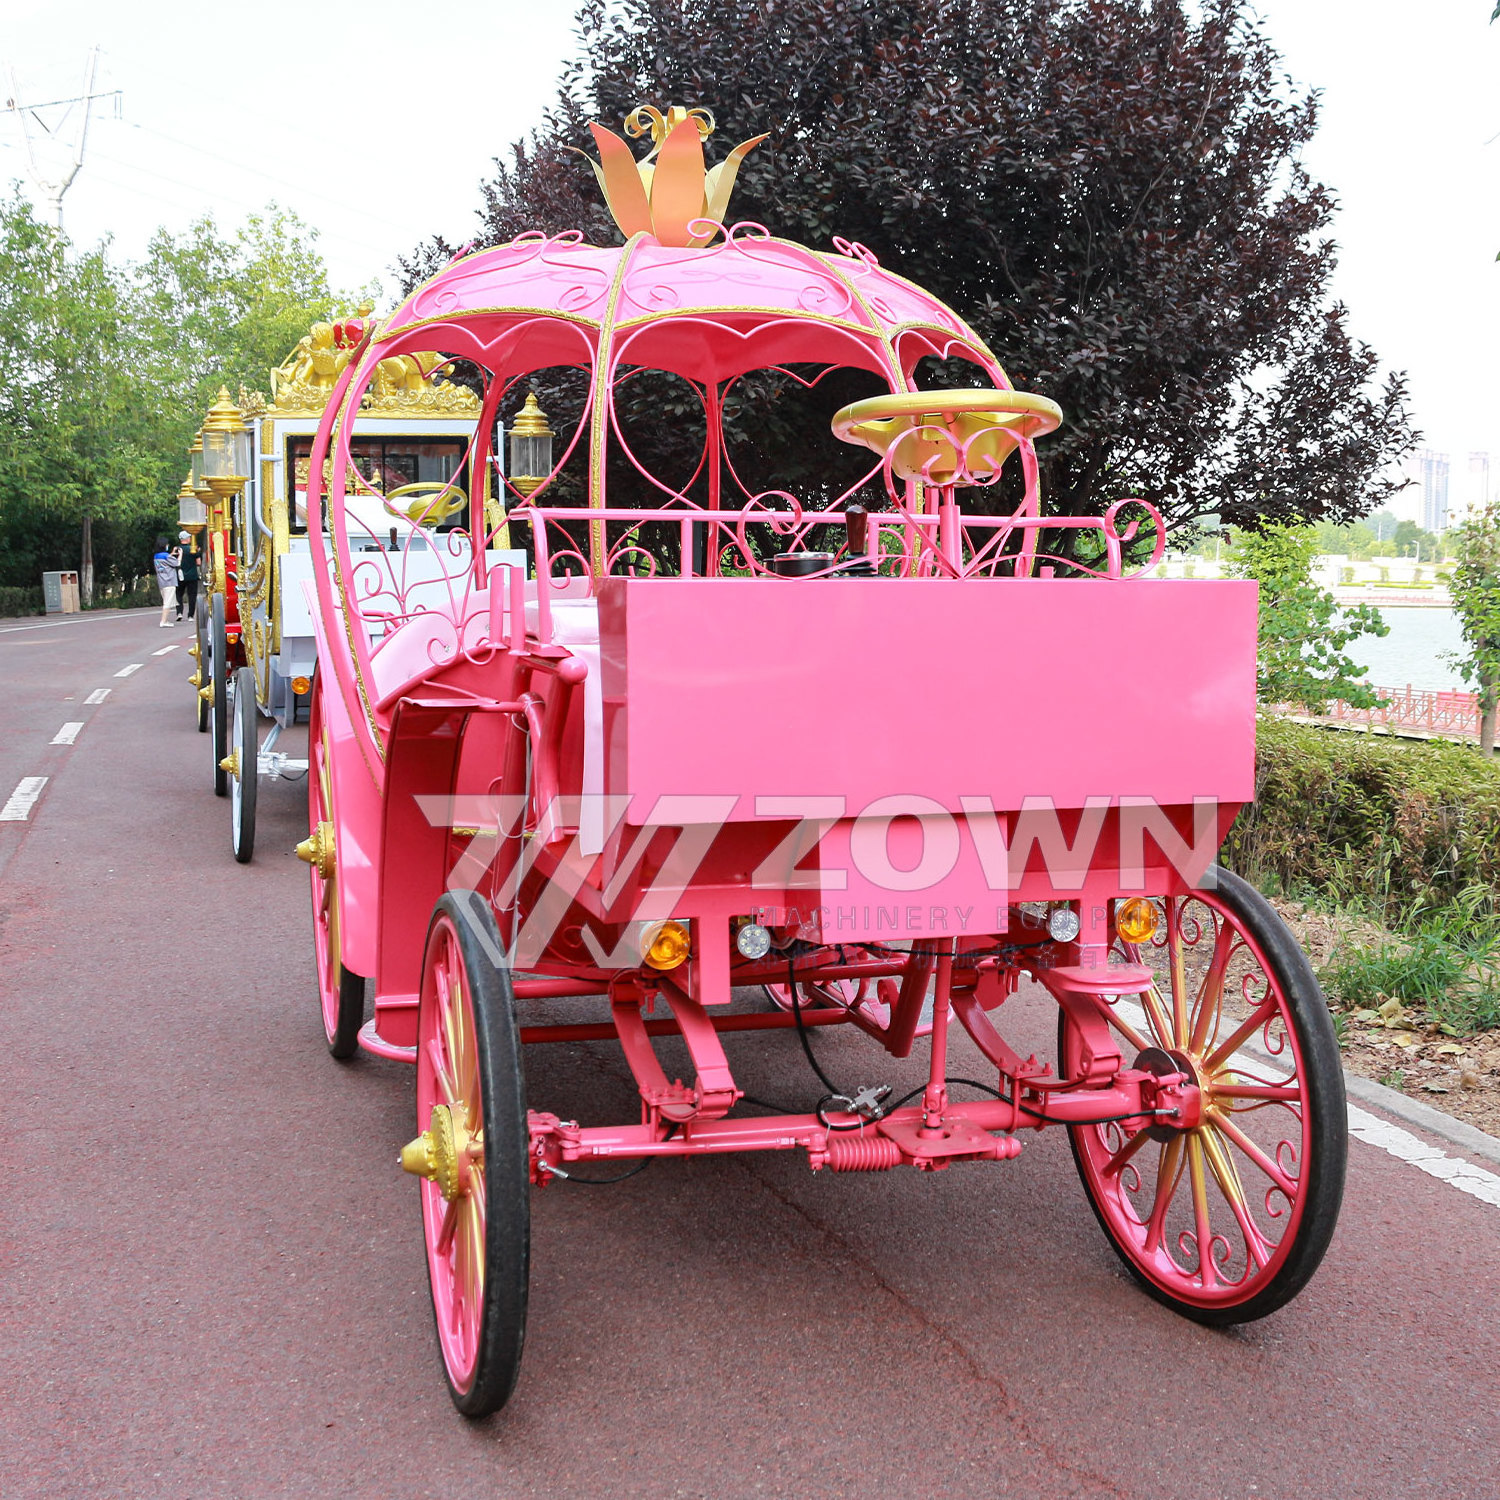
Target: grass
{"points": [[1442, 963]]}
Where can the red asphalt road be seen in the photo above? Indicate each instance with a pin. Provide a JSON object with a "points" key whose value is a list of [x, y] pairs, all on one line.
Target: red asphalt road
{"points": [[211, 1269]]}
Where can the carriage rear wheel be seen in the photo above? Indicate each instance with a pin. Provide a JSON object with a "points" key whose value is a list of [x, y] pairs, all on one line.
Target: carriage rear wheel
{"points": [[340, 992], [1226, 1221], [472, 1154], [244, 780], [200, 628], [218, 677]]}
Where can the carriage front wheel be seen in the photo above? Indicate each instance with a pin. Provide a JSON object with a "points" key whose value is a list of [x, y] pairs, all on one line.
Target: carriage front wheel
{"points": [[1226, 1221], [472, 1154], [341, 993]]}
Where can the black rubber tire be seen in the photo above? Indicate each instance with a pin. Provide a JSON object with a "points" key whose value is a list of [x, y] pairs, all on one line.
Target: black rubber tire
{"points": [[219, 678], [200, 627], [507, 1168], [1322, 1080], [343, 1040], [246, 744]]}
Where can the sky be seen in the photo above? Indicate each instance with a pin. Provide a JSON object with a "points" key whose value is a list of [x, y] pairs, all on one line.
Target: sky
{"points": [[378, 128]]}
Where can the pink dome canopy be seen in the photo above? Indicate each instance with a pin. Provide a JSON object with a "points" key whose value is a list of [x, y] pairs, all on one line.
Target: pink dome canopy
{"points": [[708, 314]]}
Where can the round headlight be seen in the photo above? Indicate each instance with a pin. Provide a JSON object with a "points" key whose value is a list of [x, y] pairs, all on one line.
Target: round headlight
{"points": [[752, 940], [1062, 924]]}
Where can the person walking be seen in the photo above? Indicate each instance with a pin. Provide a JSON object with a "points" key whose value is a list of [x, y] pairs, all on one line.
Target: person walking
{"points": [[187, 586], [165, 563]]}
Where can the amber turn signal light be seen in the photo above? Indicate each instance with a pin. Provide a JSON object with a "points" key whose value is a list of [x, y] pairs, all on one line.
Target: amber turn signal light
{"points": [[1136, 920], [666, 945]]}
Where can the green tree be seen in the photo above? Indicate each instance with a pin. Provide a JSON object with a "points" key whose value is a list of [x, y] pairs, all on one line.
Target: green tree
{"points": [[1413, 541], [217, 309], [78, 426], [1476, 601], [1109, 191], [106, 370], [1303, 632]]}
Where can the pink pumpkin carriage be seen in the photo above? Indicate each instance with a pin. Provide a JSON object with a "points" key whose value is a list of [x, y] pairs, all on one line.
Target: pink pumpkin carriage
{"points": [[873, 759]]}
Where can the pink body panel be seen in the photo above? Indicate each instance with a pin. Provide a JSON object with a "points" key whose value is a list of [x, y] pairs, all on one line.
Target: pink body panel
{"points": [[875, 688]]}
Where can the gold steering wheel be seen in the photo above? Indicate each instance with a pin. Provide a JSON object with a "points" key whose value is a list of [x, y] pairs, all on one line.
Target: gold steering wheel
{"points": [[946, 437], [429, 512]]}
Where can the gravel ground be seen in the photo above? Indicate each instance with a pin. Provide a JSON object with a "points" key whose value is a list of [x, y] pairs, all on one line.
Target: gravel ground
{"points": [[1459, 1075]]}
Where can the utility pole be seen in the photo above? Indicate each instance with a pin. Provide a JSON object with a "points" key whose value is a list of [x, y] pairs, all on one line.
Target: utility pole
{"points": [[51, 187]]}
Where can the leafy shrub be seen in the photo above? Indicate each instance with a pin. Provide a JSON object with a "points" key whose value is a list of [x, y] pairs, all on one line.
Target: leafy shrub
{"points": [[21, 601], [1396, 826]]}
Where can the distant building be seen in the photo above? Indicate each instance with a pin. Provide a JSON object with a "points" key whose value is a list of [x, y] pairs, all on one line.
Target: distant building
{"points": [[1429, 470], [1475, 488]]}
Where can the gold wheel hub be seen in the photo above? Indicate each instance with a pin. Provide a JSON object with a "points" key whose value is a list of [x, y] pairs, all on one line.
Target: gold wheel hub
{"points": [[317, 850], [442, 1153]]}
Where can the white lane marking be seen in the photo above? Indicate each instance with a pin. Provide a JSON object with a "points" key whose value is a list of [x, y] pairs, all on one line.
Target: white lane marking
{"points": [[135, 666], [168, 650], [1403, 1144], [98, 695], [67, 735], [87, 617], [1374, 1131], [22, 800]]}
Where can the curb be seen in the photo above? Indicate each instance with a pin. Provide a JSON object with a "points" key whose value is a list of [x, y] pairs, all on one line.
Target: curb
{"points": [[1456, 1132]]}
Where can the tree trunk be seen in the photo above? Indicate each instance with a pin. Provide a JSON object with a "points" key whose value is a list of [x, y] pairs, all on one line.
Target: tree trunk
{"points": [[1489, 701], [86, 564]]}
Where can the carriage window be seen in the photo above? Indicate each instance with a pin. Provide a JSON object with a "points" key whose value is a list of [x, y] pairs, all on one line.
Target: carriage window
{"points": [[385, 464]]}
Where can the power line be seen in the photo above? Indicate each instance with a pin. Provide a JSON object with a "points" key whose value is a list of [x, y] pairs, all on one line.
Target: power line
{"points": [[285, 182], [53, 189], [204, 193]]}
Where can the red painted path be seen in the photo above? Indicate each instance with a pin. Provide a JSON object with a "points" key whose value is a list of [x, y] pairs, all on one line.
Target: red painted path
{"points": [[211, 1273]]}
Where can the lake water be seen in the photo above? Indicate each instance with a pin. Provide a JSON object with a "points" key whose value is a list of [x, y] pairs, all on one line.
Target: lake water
{"points": [[1413, 651]]}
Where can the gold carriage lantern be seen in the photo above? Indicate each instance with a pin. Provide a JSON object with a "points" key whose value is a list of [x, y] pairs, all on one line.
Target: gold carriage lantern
{"points": [[226, 447], [530, 447], [195, 461], [190, 509]]}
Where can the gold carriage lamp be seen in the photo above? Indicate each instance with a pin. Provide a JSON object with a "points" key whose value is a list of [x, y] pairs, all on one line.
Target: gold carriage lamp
{"points": [[946, 438], [530, 447], [226, 447], [190, 511], [195, 461]]}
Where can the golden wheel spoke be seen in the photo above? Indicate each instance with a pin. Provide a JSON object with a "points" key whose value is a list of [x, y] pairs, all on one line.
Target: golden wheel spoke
{"points": [[1228, 1128], [442, 1074], [1156, 1014], [1257, 1247], [450, 1223], [462, 1277], [1168, 1174], [1178, 967], [1241, 1034], [1211, 992], [1286, 1093], [473, 1230], [1203, 1227]]}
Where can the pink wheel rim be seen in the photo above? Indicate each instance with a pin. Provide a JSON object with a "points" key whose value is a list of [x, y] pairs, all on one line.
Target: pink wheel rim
{"points": [[1209, 1214], [448, 1076]]}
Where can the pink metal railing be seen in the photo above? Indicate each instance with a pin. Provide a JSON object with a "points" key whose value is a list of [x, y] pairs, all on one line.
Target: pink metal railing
{"points": [[1450, 714]]}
